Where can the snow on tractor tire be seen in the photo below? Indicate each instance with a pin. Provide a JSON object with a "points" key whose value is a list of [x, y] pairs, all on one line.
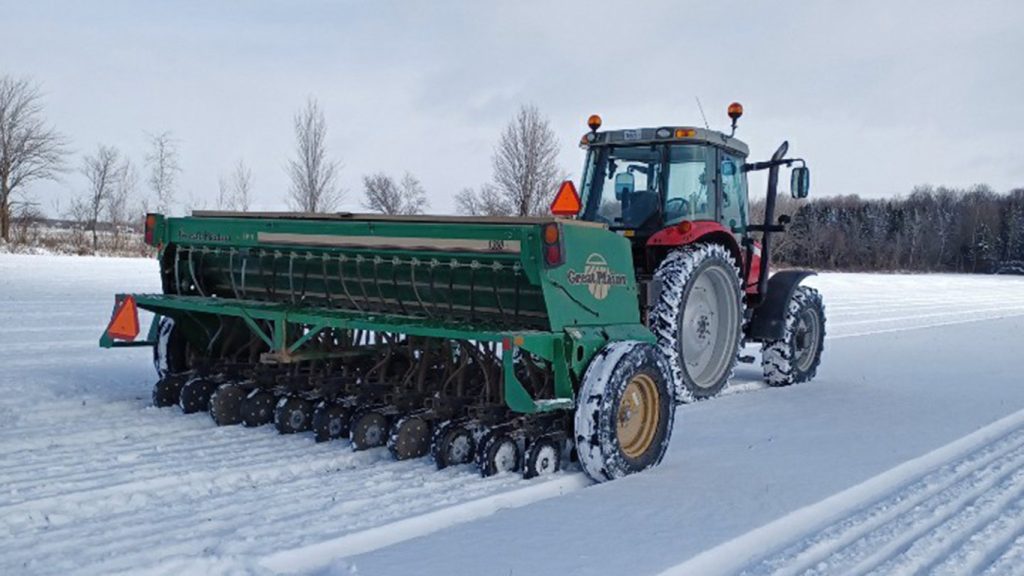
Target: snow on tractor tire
{"points": [[697, 318], [794, 358], [625, 411], [515, 343]]}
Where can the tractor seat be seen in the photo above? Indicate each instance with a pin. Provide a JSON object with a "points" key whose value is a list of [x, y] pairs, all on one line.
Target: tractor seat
{"points": [[642, 204]]}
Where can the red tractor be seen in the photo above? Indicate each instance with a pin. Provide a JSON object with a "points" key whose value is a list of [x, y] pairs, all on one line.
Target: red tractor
{"points": [[680, 195]]}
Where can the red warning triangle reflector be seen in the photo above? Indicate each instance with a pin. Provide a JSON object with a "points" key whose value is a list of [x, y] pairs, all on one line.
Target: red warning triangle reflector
{"points": [[567, 201], [125, 323]]}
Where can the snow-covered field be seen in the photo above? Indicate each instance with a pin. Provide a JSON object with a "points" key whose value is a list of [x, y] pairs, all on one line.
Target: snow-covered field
{"points": [[905, 455]]}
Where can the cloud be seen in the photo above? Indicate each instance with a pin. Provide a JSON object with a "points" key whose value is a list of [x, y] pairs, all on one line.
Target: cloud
{"points": [[878, 96]]}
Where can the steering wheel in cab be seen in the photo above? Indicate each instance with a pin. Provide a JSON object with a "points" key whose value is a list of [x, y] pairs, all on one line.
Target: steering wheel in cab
{"points": [[676, 208]]}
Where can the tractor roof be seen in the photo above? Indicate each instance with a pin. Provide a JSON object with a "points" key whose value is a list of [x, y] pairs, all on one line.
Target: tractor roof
{"points": [[665, 134]]}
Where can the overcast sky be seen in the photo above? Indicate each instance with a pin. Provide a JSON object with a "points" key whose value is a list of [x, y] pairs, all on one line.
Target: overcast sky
{"points": [[878, 96]]}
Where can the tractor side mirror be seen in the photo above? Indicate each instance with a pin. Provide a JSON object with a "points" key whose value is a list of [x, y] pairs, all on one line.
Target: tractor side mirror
{"points": [[624, 185], [800, 182]]}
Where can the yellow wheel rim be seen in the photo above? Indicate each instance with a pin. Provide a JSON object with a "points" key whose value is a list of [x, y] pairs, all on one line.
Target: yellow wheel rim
{"points": [[638, 416]]}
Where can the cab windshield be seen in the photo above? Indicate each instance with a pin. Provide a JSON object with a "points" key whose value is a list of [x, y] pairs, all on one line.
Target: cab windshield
{"points": [[647, 186]]}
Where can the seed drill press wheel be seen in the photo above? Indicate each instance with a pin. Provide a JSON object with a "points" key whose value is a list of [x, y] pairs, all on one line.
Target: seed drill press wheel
{"points": [[499, 453], [331, 421], [543, 458], [409, 438], [167, 390], [369, 430], [195, 395], [293, 414], [258, 408], [453, 444], [226, 404]]}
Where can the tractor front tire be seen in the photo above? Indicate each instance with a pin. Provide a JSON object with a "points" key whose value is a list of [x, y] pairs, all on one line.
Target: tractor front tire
{"points": [[698, 318], [795, 357], [624, 411]]}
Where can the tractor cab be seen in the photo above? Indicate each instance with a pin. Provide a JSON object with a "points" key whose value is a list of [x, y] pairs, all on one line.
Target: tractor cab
{"points": [[643, 180]]}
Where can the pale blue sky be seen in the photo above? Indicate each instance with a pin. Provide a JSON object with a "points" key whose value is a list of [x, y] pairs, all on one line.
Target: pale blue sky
{"points": [[878, 96]]}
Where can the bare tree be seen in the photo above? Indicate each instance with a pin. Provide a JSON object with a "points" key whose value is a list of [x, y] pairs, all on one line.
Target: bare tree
{"points": [[313, 174], [103, 172], [164, 168], [23, 224], [487, 202], [235, 192], [241, 187], [385, 196], [29, 149], [526, 172], [223, 194], [119, 201]]}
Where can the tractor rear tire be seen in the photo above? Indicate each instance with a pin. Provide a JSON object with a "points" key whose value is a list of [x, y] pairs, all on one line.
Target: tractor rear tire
{"points": [[170, 355], [795, 358], [625, 411], [698, 318]]}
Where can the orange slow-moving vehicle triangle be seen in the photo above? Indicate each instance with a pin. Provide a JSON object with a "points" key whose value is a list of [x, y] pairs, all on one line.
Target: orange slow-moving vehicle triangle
{"points": [[125, 323], [567, 201]]}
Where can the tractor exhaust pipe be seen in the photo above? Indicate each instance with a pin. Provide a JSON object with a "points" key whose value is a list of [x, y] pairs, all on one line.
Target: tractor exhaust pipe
{"points": [[769, 214]]}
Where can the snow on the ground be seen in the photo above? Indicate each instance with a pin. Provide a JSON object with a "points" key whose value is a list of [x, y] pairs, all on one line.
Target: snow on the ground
{"points": [[95, 481], [956, 510]]}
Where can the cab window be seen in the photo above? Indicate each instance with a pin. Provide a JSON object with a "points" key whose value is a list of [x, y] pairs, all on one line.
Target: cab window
{"points": [[690, 193], [734, 192], [621, 187]]}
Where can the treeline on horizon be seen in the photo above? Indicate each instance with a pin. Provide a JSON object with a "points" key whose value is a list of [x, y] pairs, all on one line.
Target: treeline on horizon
{"points": [[934, 229]]}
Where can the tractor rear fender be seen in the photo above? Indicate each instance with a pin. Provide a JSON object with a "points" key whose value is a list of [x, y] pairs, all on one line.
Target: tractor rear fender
{"points": [[769, 319], [686, 233]]}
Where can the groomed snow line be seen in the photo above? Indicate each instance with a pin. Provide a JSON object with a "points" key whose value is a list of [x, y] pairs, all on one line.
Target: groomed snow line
{"points": [[875, 525]]}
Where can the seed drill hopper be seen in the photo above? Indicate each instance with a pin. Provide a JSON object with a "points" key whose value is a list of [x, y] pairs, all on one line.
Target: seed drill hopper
{"points": [[465, 336]]}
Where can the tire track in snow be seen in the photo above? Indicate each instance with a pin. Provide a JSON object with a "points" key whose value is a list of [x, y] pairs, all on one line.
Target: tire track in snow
{"points": [[234, 511], [876, 531], [925, 535], [955, 510], [985, 545], [1010, 562], [885, 304]]}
